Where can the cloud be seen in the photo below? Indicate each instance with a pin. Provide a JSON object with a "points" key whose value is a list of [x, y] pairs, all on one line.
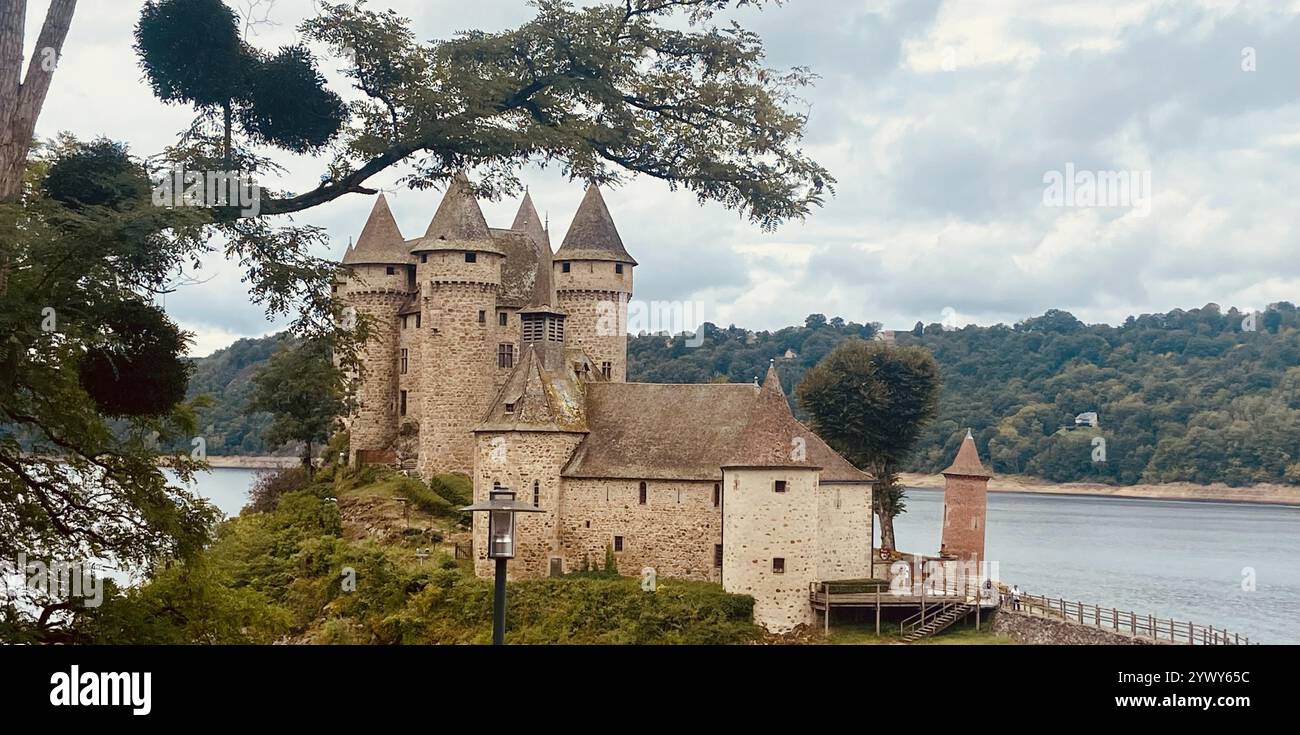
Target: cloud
{"points": [[938, 118]]}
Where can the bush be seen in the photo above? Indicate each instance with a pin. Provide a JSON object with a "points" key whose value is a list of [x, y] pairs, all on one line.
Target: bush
{"points": [[269, 486], [454, 488]]}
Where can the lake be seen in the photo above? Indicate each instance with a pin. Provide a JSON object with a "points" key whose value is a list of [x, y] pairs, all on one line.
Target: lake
{"points": [[1167, 558]]}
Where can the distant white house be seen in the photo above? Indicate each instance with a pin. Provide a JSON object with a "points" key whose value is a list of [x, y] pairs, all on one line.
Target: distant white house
{"points": [[1088, 418]]}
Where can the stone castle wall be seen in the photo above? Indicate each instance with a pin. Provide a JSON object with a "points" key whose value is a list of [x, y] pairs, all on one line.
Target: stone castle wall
{"points": [[761, 525], [595, 298], [965, 500], [844, 531], [458, 374], [376, 296], [516, 460], [675, 531]]}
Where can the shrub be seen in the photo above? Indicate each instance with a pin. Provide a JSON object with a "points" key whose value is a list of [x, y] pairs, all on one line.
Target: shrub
{"points": [[269, 486]]}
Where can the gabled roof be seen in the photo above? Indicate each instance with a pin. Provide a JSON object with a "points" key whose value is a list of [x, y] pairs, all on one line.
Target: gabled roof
{"points": [[458, 224], [540, 398], [592, 235], [652, 431], [968, 462], [381, 241]]}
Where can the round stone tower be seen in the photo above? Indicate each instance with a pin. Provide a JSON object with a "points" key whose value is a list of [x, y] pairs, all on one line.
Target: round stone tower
{"points": [[769, 523], [965, 504], [458, 267], [592, 273], [376, 281]]}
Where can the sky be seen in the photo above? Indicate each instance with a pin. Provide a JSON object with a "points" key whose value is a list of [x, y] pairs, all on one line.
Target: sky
{"points": [[995, 159]]}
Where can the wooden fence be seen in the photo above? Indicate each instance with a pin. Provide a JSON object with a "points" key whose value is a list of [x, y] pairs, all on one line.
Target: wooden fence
{"points": [[1125, 621]]}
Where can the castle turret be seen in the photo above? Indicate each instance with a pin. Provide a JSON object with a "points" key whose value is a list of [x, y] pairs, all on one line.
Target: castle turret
{"points": [[377, 280], [459, 273], [593, 282], [965, 503], [770, 513]]}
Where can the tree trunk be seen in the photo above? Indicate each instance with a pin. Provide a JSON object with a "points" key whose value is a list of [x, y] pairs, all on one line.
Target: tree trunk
{"points": [[886, 531], [21, 99], [306, 459]]}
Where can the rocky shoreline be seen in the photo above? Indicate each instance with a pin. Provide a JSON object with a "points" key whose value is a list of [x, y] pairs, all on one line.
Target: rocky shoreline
{"points": [[1269, 494]]}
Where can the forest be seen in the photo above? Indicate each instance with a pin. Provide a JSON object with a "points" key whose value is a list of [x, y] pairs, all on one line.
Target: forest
{"points": [[1205, 395]]}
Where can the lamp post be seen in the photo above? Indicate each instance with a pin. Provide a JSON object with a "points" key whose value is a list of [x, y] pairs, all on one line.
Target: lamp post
{"points": [[501, 508]]}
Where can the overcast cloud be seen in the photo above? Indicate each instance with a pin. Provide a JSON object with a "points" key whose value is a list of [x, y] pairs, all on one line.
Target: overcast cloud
{"points": [[940, 120]]}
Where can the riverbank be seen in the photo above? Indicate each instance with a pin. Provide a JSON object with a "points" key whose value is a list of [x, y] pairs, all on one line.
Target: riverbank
{"points": [[1270, 494], [242, 462]]}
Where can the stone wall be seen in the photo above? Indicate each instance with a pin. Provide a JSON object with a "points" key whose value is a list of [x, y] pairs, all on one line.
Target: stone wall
{"points": [[761, 525], [516, 460], [675, 531], [965, 503], [1031, 629], [377, 296], [595, 299], [844, 531]]}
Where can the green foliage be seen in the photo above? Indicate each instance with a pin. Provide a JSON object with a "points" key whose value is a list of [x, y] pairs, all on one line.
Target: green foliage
{"points": [[264, 496], [288, 104], [99, 174], [455, 488], [1183, 396], [611, 562], [134, 368], [190, 51], [304, 391]]}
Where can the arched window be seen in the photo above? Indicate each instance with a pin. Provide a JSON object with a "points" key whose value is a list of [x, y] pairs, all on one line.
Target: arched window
{"points": [[643, 493]]}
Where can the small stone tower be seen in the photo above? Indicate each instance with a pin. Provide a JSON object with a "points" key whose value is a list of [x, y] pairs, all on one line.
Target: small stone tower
{"points": [[770, 518], [593, 280], [378, 281], [458, 267], [965, 503]]}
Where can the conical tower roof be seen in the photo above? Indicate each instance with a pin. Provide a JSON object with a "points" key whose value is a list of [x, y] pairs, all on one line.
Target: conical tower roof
{"points": [[968, 462], [381, 241], [592, 235], [527, 222], [458, 223], [772, 437]]}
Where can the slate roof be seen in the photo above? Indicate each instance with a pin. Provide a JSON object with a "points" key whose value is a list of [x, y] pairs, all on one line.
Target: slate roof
{"points": [[592, 235], [381, 240], [653, 431], [541, 397], [458, 224]]}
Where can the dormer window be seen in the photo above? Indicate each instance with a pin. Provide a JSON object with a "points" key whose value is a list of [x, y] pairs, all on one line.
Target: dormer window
{"points": [[510, 408], [471, 257], [564, 267]]}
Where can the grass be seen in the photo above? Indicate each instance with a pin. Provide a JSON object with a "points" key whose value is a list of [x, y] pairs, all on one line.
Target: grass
{"points": [[864, 634]]}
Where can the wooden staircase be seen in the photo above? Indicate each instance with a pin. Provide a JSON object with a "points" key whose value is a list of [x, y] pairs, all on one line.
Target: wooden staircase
{"points": [[939, 618]]}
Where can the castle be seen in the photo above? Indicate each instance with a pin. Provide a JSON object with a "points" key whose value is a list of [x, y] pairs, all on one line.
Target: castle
{"points": [[494, 357]]}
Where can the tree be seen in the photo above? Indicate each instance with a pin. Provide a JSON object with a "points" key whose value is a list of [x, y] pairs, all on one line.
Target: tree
{"points": [[305, 392], [870, 402]]}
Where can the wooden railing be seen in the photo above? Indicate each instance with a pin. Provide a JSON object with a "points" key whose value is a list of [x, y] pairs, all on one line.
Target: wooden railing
{"points": [[928, 614], [1124, 621]]}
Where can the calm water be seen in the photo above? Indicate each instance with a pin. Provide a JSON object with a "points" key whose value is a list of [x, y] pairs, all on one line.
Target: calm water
{"points": [[1166, 558]]}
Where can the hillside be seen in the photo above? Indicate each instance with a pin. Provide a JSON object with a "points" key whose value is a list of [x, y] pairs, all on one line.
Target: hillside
{"points": [[1185, 396]]}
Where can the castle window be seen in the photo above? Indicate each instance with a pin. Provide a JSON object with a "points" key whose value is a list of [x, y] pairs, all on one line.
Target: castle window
{"points": [[644, 492], [607, 369], [564, 267], [717, 556], [555, 330], [618, 268], [401, 408], [588, 524], [482, 316], [717, 494], [424, 257], [403, 322], [780, 486], [503, 319], [837, 498], [505, 356], [510, 408], [537, 494], [974, 524], [471, 257], [334, 288], [778, 565], [406, 360], [618, 543], [417, 321], [390, 270]]}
